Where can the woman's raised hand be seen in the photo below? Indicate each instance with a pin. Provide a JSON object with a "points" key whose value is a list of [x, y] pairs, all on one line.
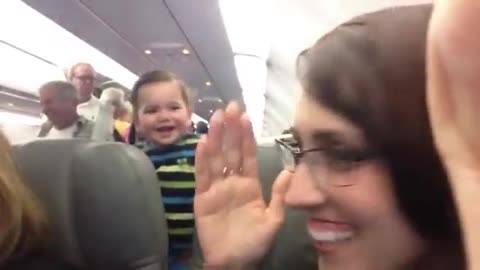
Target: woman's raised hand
{"points": [[454, 106], [235, 227]]}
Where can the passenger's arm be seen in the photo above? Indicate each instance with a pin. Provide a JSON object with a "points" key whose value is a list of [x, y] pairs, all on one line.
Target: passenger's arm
{"points": [[454, 104], [104, 121]]}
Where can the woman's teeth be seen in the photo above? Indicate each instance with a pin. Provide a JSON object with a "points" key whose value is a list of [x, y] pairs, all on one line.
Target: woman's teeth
{"points": [[330, 236]]}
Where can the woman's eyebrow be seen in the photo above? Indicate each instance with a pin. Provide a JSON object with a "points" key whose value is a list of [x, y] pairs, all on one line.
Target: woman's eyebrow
{"points": [[337, 138], [321, 136], [327, 137]]}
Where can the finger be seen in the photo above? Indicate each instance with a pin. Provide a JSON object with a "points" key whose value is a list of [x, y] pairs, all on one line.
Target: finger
{"points": [[453, 80], [439, 100], [202, 172], [446, 61], [453, 98], [276, 207], [232, 143], [249, 149], [214, 146]]}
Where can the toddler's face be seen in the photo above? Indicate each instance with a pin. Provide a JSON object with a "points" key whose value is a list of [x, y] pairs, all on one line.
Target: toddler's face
{"points": [[163, 115]]}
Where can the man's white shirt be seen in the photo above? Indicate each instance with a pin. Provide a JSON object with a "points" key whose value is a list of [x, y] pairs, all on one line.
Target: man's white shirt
{"points": [[66, 133], [89, 109]]}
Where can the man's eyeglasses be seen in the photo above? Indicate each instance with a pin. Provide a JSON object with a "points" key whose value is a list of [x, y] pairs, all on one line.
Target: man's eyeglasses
{"points": [[333, 166]]}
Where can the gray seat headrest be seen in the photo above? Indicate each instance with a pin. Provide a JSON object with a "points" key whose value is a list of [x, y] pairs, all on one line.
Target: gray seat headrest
{"points": [[103, 200], [293, 247]]}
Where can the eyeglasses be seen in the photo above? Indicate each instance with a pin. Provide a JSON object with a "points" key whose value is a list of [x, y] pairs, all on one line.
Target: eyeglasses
{"points": [[334, 167]]}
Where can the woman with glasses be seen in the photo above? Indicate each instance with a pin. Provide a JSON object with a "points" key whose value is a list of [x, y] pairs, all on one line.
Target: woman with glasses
{"points": [[363, 165]]}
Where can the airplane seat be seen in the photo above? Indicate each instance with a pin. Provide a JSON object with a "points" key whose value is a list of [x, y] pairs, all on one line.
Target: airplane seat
{"points": [[103, 202], [293, 247]]}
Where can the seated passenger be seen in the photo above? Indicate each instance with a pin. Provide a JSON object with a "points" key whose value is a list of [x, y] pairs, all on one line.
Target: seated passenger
{"points": [[59, 101], [23, 228], [162, 113]]}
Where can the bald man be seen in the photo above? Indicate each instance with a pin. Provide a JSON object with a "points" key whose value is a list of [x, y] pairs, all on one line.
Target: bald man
{"points": [[59, 100]]}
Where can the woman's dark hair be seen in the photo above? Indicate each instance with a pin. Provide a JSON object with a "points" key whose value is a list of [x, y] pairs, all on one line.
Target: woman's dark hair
{"points": [[157, 76], [371, 70]]}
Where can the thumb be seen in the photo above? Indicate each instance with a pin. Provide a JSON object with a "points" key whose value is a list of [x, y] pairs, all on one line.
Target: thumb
{"points": [[276, 208]]}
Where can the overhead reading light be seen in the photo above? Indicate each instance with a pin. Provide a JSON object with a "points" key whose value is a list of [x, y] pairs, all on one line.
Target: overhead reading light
{"points": [[208, 83], [185, 52], [10, 105], [148, 52]]}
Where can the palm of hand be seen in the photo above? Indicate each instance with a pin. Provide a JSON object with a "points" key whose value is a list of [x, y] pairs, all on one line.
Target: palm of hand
{"points": [[235, 227], [235, 208], [230, 194]]}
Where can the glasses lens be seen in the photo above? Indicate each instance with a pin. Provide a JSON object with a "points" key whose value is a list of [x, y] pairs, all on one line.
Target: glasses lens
{"points": [[315, 162], [287, 157], [331, 172]]}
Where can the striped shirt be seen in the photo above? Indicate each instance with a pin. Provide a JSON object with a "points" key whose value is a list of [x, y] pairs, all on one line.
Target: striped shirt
{"points": [[175, 171]]}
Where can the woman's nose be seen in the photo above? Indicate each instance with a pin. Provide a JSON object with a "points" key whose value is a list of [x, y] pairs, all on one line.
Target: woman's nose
{"points": [[303, 192]]}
